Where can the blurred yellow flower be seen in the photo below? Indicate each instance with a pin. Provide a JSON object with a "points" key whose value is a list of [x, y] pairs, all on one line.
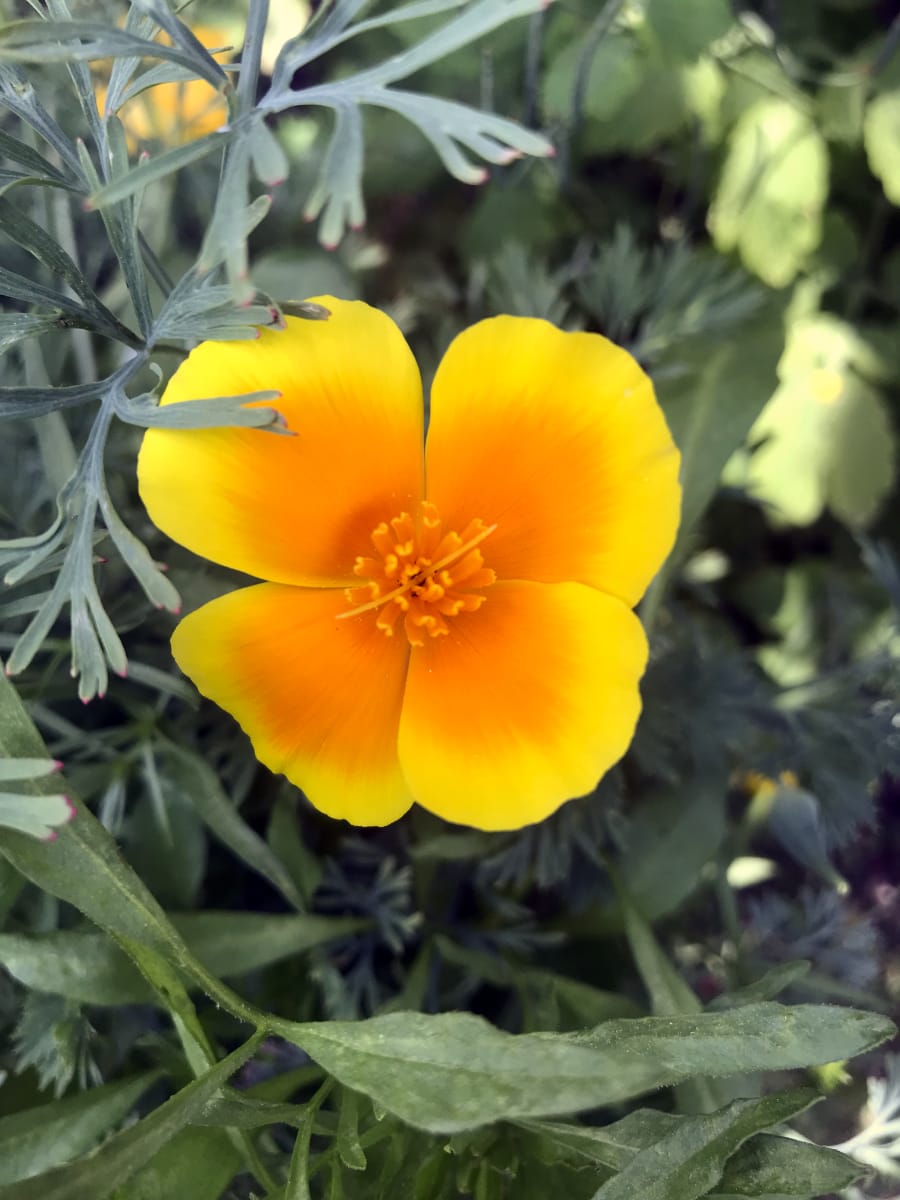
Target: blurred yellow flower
{"points": [[177, 112], [451, 628]]}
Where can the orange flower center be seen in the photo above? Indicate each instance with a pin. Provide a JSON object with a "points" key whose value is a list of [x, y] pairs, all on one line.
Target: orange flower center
{"points": [[421, 573]]}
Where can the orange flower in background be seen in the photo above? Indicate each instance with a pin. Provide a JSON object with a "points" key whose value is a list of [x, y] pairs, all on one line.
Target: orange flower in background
{"points": [[451, 628], [180, 111]]}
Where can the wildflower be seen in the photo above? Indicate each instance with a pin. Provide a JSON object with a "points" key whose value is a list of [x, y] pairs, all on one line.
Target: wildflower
{"points": [[453, 628], [179, 111]]}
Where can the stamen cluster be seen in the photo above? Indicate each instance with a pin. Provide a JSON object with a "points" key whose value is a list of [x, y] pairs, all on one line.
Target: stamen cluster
{"points": [[421, 574]]}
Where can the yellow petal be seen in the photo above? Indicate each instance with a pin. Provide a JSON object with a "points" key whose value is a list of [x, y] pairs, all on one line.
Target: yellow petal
{"points": [[523, 705], [558, 439], [319, 698], [293, 509]]}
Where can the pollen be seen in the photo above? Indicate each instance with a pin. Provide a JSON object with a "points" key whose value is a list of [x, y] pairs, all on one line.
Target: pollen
{"points": [[421, 575]]}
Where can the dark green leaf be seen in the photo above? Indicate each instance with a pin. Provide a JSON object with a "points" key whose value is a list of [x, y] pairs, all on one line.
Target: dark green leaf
{"points": [[124, 1154], [689, 1161], [197, 1164], [37, 1139]]}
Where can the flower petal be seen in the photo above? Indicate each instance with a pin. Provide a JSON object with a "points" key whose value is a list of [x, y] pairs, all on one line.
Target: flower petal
{"points": [[556, 437], [522, 705], [293, 509], [319, 698]]}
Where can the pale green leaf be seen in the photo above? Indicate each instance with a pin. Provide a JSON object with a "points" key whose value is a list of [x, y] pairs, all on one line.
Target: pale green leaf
{"points": [[770, 196], [881, 137]]}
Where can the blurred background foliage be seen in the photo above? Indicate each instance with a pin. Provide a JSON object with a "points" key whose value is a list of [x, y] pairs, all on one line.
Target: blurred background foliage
{"points": [[723, 200]]}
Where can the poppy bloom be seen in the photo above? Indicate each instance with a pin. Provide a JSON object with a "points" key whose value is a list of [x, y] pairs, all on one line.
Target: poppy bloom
{"points": [[445, 623]]}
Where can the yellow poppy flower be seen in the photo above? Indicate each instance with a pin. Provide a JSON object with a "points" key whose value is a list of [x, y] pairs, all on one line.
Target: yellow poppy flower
{"points": [[451, 628]]}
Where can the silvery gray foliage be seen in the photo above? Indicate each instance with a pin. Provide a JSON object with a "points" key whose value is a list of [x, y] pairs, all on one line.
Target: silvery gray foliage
{"points": [[214, 298]]}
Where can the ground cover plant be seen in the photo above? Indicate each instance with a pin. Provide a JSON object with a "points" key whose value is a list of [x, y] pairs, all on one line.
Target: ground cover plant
{"points": [[679, 985]]}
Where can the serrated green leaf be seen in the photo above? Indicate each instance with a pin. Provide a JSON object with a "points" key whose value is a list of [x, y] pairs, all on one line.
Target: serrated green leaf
{"points": [[769, 200], [881, 137], [37, 1139]]}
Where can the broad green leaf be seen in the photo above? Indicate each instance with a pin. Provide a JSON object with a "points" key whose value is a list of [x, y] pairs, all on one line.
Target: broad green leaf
{"points": [[774, 183], [764, 1165], [454, 1071], [124, 1154], [37, 1139], [669, 994], [686, 29], [768, 1166], [89, 968], [881, 137], [825, 437], [689, 1161], [758, 1037], [197, 1164]]}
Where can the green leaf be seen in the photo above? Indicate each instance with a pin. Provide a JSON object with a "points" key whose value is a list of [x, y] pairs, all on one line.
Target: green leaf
{"points": [[768, 1166], [825, 437], [37, 816], [712, 404], [769, 985], [89, 968], [15, 327], [881, 137], [84, 867], [124, 1154], [614, 74], [688, 1162], [37, 1139], [156, 168], [454, 1071], [673, 836], [201, 785], [197, 1164], [686, 29], [774, 183], [764, 1166]]}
